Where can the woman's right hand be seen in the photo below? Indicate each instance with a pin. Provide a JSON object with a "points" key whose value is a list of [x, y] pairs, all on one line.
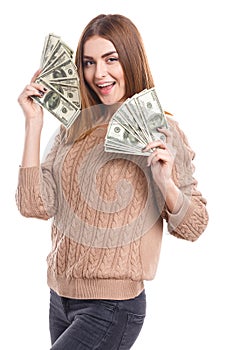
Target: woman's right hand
{"points": [[31, 109]]}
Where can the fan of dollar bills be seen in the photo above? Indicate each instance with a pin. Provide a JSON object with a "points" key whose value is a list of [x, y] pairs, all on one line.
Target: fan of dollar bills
{"points": [[135, 124], [59, 76]]}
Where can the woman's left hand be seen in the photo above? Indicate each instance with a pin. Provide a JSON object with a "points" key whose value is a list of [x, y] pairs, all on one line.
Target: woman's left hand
{"points": [[161, 159]]}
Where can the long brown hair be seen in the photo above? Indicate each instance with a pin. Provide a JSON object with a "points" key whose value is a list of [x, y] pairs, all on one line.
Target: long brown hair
{"points": [[127, 40], [128, 43]]}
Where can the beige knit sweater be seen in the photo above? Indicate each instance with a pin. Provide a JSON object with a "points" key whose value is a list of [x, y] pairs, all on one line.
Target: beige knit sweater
{"points": [[107, 214]]}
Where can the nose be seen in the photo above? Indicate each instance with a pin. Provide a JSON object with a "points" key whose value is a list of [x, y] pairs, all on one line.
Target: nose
{"points": [[101, 70]]}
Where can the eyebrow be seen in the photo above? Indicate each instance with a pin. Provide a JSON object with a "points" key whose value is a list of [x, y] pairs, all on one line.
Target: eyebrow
{"points": [[103, 56]]}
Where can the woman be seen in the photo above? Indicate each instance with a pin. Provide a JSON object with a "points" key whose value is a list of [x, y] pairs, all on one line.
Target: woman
{"points": [[108, 209]]}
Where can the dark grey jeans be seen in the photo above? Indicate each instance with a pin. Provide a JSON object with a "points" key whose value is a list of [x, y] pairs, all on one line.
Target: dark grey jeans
{"points": [[77, 324]]}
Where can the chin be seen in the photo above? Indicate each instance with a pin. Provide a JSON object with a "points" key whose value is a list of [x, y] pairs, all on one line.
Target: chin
{"points": [[111, 101], [108, 103]]}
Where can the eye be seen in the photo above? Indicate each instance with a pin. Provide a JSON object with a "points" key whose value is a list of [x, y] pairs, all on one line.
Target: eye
{"points": [[88, 63], [112, 59]]}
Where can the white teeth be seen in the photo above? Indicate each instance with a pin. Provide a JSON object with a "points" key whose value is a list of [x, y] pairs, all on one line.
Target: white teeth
{"points": [[104, 85]]}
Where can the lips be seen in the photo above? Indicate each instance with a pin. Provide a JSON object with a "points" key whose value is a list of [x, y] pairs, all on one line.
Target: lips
{"points": [[103, 85], [105, 88]]}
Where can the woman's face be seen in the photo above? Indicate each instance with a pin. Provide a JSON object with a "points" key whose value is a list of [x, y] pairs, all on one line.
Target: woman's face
{"points": [[103, 71]]}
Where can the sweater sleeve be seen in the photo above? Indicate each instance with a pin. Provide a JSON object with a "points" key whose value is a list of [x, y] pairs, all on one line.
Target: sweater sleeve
{"points": [[36, 190], [192, 218]]}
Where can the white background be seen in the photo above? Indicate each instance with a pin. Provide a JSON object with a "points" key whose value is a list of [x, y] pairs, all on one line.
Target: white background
{"points": [[189, 46]]}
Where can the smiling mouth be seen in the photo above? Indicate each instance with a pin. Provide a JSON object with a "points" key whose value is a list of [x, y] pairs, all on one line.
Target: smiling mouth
{"points": [[105, 85]]}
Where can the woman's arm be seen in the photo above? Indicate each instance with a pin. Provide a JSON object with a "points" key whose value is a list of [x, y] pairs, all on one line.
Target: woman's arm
{"points": [[172, 171], [36, 191], [33, 114]]}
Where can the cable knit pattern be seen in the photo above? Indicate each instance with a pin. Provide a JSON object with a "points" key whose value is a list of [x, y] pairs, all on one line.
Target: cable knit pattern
{"points": [[107, 214]]}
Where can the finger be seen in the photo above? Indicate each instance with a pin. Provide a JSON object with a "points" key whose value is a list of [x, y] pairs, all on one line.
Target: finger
{"points": [[36, 88], [27, 93], [36, 74], [150, 157], [165, 131], [158, 155], [39, 87], [32, 91], [155, 144]]}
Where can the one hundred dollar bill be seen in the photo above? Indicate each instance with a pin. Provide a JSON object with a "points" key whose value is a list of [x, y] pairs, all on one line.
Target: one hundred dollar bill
{"points": [[135, 124], [58, 56], [59, 76], [57, 104], [65, 69], [52, 44], [70, 92], [152, 113], [65, 81], [49, 44], [120, 138]]}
